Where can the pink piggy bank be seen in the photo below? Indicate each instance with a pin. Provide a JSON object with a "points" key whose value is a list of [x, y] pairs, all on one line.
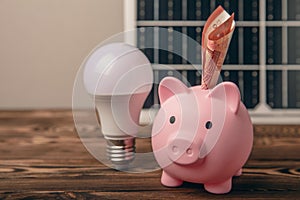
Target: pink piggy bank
{"points": [[201, 136]]}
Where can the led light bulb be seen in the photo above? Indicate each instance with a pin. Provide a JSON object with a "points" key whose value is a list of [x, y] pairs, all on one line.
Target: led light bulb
{"points": [[119, 76]]}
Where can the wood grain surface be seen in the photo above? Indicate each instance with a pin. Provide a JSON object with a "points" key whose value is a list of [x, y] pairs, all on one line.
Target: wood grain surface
{"points": [[42, 157]]}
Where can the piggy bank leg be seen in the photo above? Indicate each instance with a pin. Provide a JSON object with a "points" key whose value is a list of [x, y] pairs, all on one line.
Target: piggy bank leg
{"points": [[219, 188], [239, 172], [170, 181]]}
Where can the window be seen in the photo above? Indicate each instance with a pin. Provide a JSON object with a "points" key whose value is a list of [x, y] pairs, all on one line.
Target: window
{"points": [[263, 58]]}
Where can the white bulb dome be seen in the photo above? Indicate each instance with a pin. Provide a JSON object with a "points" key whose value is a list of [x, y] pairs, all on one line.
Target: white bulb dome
{"points": [[117, 69]]}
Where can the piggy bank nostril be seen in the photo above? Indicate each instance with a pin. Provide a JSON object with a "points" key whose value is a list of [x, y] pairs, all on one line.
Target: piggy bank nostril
{"points": [[175, 149], [189, 151]]}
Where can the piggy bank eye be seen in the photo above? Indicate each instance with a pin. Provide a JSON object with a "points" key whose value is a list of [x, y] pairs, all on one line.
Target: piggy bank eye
{"points": [[172, 119], [208, 125]]}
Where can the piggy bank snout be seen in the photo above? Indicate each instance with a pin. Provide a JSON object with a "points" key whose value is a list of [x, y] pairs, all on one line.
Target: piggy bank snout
{"points": [[183, 151]]}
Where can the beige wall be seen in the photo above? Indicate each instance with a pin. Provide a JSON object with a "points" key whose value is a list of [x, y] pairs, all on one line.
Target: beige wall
{"points": [[43, 43]]}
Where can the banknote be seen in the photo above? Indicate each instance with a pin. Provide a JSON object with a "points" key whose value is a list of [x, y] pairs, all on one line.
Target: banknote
{"points": [[216, 37]]}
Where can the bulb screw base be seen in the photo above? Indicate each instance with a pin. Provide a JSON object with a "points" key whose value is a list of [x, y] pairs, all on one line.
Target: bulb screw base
{"points": [[120, 152]]}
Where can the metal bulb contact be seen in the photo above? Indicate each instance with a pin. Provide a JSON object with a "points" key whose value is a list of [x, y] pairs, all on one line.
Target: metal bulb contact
{"points": [[120, 152]]}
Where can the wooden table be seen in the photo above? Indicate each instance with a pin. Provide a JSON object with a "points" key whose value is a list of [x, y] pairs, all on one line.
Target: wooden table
{"points": [[41, 156]]}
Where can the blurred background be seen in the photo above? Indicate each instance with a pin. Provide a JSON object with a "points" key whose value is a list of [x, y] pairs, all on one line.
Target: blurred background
{"points": [[44, 42]]}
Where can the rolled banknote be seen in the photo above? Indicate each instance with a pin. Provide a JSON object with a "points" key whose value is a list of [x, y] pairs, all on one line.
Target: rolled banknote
{"points": [[216, 38]]}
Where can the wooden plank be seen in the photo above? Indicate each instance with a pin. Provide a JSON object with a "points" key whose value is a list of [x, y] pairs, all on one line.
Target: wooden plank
{"points": [[41, 156]]}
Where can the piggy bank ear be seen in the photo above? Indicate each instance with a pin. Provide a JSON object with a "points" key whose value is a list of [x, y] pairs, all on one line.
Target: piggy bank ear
{"points": [[231, 93], [170, 86]]}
